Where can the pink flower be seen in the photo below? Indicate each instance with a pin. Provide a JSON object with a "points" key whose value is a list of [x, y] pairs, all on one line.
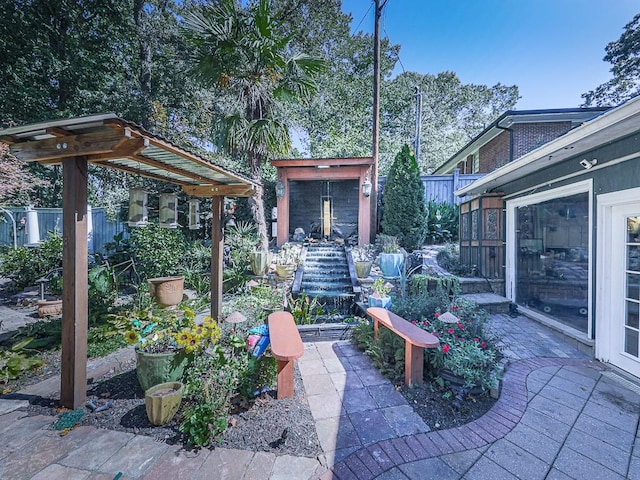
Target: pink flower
{"points": [[451, 330], [483, 344], [476, 340], [461, 326], [436, 315], [413, 321], [446, 348]]}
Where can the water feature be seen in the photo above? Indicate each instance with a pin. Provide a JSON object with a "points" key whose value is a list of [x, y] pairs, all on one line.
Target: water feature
{"points": [[326, 276]]}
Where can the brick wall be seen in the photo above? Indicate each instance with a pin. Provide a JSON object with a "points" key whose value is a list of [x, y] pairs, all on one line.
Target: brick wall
{"points": [[495, 153], [529, 136]]}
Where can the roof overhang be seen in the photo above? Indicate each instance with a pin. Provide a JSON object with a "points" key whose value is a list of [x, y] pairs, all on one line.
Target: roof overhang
{"points": [[322, 162], [109, 141], [611, 125], [512, 117]]}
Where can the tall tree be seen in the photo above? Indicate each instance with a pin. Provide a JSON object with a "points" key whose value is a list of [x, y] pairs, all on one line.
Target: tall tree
{"points": [[242, 52], [624, 56]]}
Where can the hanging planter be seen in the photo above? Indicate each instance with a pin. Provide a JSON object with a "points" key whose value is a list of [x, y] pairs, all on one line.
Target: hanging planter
{"points": [[162, 402]]}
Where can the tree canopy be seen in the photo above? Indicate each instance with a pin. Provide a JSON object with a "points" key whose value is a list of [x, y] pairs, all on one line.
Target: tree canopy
{"points": [[624, 56]]}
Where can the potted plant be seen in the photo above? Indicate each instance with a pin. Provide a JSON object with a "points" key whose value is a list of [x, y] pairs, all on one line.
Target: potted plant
{"points": [[287, 260], [390, 259], [362, 260], [380, 296], [165, 341], [259, 260]]}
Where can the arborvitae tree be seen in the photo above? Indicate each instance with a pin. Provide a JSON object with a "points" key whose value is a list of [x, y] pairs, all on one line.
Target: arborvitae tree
{"points": [[405, 212]]}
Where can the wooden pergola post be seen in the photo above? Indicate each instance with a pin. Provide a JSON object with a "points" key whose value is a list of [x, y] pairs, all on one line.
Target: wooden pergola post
{"points": [[217, 256], [75, 304]]}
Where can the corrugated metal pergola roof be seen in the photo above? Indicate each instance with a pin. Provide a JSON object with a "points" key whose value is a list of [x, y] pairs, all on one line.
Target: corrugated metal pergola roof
{"points": [[113, 142]]}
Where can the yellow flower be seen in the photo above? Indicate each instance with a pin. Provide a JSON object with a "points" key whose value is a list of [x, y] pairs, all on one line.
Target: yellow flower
{"points": [[183, 338], [192, 345], [209, 322], [215, 334], [131, 337], [200, 331], [189, 313]]}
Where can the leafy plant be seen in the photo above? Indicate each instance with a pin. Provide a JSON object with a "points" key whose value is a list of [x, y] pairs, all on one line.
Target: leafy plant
{"points": [[381, 287], [289, 254], [14, 361], [442, 221], [305, 309], [242, 240], [449, 259], [26, 265], [365, 253], [157, 251], [387, 243], [405, 214]]}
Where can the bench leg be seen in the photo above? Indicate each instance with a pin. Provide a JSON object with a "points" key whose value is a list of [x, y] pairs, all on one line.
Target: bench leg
{"points": [[413, 364], [285, 379], [375, 329]]}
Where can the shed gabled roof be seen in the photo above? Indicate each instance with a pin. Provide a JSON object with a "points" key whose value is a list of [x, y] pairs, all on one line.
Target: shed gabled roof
{"points": [[110, 141]]}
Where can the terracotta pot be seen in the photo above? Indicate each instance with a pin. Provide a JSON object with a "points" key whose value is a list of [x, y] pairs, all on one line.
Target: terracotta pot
{"points": [[155, 368], [162, 402], [363, 269], [167, 291], [49, 308]]}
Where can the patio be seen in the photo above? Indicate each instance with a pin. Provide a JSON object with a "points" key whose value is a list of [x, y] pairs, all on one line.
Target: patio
{"points": [[560, 415]]}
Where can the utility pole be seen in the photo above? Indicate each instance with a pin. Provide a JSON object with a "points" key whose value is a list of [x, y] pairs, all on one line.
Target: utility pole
{"points": [[376, 117], [418, 122]]}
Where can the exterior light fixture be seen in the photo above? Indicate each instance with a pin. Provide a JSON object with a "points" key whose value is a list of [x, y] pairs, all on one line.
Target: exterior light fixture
{"points": [[194, 214], [168, 210], [587, 164], [366, 188], [138, 215], [280, 188]]}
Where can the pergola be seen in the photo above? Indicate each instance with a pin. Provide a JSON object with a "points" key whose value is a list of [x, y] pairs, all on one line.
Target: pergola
{"points": [[112, 142]]}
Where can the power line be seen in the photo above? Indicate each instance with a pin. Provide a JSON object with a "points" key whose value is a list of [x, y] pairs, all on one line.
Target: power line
{"points": [[364, 16]]}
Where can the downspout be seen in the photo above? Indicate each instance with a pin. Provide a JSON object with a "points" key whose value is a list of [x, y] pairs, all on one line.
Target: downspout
{"points": [[510, 130]]}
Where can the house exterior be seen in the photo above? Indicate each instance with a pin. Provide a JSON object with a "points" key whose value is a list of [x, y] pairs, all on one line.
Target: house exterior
{"points": [[514, 134], [571, 232]]}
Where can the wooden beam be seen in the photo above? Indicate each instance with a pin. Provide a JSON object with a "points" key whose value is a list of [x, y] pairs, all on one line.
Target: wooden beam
{"points": [[315, 162], [9, 139], [65, 147], [58, 132], [217, 261], [219, 190], [73, 374], [127, 148], [169, 168]]}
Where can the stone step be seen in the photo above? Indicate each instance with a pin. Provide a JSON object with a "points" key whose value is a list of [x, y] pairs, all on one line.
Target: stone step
{"points": [[491, 302], [481, 285]]}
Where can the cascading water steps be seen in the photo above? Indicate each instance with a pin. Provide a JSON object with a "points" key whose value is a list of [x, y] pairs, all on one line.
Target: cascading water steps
{"points": [[326, 277]]}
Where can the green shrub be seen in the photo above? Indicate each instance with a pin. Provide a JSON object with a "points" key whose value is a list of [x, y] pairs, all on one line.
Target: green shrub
{"points": [[157, 251], [449, 259], [196, 267], [25, 265], [442, 219], [405, 214]]}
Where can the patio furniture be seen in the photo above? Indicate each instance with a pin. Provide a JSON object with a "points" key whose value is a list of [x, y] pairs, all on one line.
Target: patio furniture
{"points": [[286, 347], [416, 340]]}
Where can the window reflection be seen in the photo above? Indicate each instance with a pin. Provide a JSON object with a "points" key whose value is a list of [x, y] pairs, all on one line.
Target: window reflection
{"points": [[552, 258]]}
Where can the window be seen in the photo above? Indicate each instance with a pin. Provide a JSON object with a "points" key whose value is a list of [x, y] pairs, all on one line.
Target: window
{"points": [[476, 163]]}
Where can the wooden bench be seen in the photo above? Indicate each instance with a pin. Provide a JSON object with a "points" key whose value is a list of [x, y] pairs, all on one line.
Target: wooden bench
{"points": [[416, 340], [286, 346]]}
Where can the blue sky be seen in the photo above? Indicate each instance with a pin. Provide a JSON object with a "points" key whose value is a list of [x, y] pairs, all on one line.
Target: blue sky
{"points": [[551, 49]]}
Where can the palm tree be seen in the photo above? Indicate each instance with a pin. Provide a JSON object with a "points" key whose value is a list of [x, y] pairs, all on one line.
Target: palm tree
{"points": [[241, 51]]}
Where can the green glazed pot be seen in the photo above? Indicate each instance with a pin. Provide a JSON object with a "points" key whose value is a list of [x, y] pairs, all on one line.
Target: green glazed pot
{"points": [[155, 368]]}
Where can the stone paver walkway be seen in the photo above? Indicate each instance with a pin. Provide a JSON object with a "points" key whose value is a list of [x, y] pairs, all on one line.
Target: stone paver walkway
{"points": [[560, 416]]}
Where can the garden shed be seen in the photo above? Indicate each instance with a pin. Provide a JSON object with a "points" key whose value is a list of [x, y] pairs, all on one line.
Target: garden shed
{"points": [[112, 142], [328, 197]]}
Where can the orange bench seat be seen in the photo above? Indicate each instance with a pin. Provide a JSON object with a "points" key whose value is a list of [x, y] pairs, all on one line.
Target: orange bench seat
{"points": [[286, 347]]}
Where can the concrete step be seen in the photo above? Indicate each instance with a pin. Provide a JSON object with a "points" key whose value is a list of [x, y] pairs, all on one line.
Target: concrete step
{"points": [[491, 302], [481, 285]]}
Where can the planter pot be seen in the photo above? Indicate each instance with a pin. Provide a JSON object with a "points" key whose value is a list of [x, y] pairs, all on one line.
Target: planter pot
{"points": [[162, 402], [49, 308], [457, 381], [363, 269], [259, 263], [391, 264], [285, 271], [155, 368], [167, 291], [384, 302]]}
